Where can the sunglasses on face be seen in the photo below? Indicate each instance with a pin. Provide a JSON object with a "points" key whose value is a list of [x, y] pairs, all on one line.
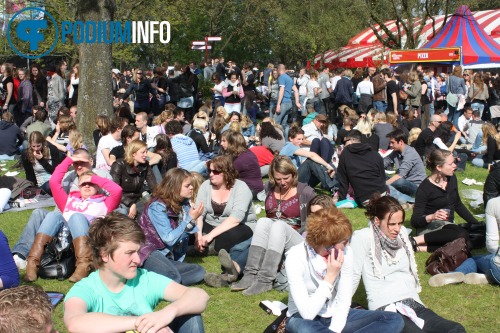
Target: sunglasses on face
{"points": [[215, 172], [85, 184]]}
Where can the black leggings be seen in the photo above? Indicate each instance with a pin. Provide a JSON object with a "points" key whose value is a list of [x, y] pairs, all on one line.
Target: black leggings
{"points": [[230, 238], [438, 238]]}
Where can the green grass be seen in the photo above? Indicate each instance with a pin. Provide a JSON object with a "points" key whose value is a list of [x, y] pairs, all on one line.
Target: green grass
{"points": [[476, 307]]}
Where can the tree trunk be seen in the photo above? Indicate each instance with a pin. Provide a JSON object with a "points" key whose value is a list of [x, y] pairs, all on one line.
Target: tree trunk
{"points": [[95, 88]]}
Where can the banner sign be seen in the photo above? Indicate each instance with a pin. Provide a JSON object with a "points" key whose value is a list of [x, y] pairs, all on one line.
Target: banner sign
{"points": [[448, 54]]}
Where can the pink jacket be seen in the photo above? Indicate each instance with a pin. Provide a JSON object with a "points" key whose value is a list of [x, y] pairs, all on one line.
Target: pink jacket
{"points": [[93, 207], [227, 93]]}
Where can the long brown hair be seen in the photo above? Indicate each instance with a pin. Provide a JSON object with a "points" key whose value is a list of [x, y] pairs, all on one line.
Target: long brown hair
{"points": [[236, 143], [37, 138], [169, 189]]}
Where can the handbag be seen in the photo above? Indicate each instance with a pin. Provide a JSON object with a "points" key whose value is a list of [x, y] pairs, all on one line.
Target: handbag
{"points": [[448, 257], [279, 324], [403, 95], [57, 262]]}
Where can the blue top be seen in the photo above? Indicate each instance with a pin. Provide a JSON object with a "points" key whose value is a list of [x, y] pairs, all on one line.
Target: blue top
{"points": [[289, 150], [455, 85], [285, 81], [8, 270]]}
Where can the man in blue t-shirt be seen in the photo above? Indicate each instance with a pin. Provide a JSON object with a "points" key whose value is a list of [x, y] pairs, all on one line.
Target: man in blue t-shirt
{"points": [[284, 104], [120, 296]]}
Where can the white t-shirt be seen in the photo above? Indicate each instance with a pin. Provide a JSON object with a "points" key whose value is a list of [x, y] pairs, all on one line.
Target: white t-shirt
{"points": [[106, 142], [310, 88], [364, 87], [462, 121], [219, 87]]}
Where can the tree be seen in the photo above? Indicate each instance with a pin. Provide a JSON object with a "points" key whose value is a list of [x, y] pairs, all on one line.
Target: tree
{"points": [[410, 17], [95, 89]]}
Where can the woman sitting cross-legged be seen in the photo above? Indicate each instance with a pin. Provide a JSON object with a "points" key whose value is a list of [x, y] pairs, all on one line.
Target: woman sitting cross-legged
{"points": [[436, 201], [167, 220], [320, 274], [286, 211], [384, 258], [78, 209], [228, 206]]}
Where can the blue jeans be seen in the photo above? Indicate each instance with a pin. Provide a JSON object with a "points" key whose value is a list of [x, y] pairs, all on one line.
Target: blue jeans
{"points": [[481, 264], [78, 224], [405, 186], [181, 272], [323, 148], [187, 324], [25, 242], [479, 107], [198, 166], [479, 162], [453, 114], [282, 118], [380, 105], [399, 196], [239, 252], [311, 173], [357, 321]]}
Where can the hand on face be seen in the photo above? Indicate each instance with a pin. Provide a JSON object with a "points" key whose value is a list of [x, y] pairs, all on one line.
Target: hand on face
{"points": [[38, 154]]}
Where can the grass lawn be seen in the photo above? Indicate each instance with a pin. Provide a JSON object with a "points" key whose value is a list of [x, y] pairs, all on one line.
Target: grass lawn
{"points": [[472, 306]]}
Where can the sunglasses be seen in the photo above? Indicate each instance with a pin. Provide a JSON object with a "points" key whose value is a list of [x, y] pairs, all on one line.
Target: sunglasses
{"points": [[140, 73], [215, 172], [86, 184]]}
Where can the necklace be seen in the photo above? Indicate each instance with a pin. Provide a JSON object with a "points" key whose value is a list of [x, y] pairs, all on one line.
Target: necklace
{"points": [[278, 210]]}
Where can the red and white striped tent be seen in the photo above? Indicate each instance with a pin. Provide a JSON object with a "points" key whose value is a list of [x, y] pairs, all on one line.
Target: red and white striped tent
{"points": [[364, 49]]}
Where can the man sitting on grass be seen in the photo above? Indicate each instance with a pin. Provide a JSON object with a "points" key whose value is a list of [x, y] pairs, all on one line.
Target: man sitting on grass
{"points": [[121, 297]]}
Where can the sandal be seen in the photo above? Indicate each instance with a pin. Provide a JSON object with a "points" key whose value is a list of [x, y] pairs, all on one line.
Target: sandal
{"points": [[414, 244]]}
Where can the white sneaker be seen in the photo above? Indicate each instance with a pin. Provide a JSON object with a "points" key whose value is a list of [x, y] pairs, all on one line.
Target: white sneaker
{"points": [[475, 278], [20, 263], [443, 279]]}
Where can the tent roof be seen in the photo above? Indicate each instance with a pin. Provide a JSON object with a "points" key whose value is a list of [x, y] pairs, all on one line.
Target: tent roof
{"points": [[463, 30], [364, 49]]}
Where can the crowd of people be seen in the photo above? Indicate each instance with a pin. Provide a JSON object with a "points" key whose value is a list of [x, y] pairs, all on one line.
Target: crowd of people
{"points": [[175, 176]]}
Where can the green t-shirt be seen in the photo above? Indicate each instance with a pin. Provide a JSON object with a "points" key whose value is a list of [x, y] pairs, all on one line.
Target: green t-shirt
{"points": [[139, 296]]}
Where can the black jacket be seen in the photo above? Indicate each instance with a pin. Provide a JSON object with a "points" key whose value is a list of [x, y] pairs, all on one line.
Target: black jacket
{"points": [[10, 137], [492, 184], [132, 180], [363, 169]]}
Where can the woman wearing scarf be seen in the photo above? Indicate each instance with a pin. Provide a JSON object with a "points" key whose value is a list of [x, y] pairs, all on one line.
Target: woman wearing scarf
{"points": [[320, 278], [384, 258]]}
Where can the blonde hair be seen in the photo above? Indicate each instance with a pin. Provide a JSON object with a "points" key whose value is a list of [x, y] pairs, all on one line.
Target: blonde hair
{"points": [[245, 121], [235, 126], [222, 109], [489, 130], [200, 124], [163, 117], [196, 180], [380, 118], [364, 126], [414, 133], [75, 139], [132, 148]]}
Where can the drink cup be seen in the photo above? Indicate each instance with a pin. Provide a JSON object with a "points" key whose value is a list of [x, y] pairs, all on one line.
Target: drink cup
{"points": [[447, 211]]}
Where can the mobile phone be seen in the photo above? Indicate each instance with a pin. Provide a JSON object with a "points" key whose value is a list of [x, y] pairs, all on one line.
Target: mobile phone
{"points": [[335, 253], [55, 297]]}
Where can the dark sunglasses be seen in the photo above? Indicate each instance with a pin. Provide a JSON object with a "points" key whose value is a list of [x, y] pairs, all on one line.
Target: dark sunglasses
{"points": [[139, 73], [215, 172], [86, 184]]}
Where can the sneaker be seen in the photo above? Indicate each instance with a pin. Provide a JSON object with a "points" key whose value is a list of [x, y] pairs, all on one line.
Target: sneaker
{"points": [[443, 279], [20, 263], [475, 278]]}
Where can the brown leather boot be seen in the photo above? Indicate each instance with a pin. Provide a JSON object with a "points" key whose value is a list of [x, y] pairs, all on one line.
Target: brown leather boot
{"points": [[33, 262], [83, 255]]}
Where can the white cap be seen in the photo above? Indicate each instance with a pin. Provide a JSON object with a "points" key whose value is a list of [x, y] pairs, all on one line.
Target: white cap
{"points": [[116, 70]]}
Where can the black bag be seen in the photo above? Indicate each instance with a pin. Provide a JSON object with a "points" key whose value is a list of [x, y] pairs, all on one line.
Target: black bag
{"points": [[56, 263], [278, 325], [477, 234]]}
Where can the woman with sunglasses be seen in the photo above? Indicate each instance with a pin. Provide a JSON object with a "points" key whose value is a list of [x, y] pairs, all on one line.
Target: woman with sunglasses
{"points": [[167, 221], [141, 87], [320, 276], [384, 258], [286, 211], [228, 206], [77, 210]]}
